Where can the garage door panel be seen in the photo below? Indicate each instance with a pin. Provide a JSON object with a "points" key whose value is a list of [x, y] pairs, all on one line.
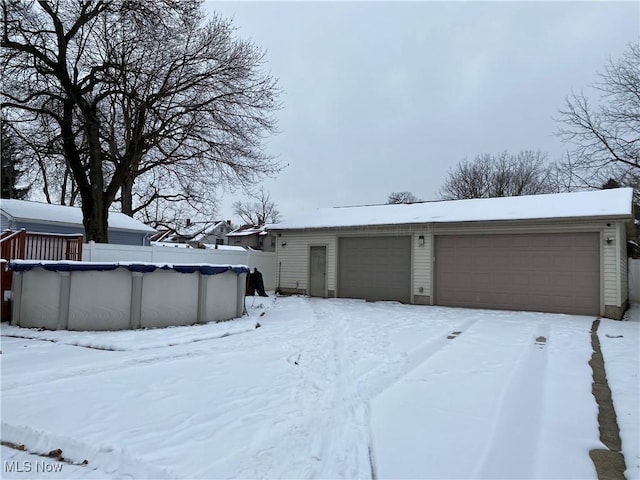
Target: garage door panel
{"points": [[519, 262], [375, 268], [560, 280], [584, 282], [585, 242], [540, 272]]}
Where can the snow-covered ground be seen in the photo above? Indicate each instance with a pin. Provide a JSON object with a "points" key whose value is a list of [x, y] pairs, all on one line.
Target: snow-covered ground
{"points": [[620, 344], [322, 389]]}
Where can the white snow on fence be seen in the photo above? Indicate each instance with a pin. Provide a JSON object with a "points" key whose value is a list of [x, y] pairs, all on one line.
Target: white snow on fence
{"points": [[634, 280], [265, 262]]}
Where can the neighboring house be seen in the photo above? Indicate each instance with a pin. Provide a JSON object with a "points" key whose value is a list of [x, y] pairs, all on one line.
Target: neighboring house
{"points": [[552, 253], [168, 235], [196, 234], [217, 234], [48, 218], [252, 236]]}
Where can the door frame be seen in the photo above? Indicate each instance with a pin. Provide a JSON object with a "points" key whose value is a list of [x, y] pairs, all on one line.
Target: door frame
{"points": [[326, 268]]}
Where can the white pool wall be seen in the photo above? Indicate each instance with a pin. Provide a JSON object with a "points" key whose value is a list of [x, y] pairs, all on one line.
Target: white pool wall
{"points": [[121, 299]]}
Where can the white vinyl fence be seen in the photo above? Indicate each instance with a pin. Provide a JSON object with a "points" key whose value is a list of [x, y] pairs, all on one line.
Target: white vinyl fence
{"points": [[634, 280], [265, 262]]}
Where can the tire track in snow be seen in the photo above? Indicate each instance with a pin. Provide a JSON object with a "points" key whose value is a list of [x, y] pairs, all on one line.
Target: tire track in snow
{"points": [[102, 367], [335, 429], [380, 378], [143, 356], [461, 412], [511, 454], [352, 405]]}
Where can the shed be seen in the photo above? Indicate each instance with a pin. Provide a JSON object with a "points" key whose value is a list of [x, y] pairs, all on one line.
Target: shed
{"points": [[49, 218], [561, 253]]}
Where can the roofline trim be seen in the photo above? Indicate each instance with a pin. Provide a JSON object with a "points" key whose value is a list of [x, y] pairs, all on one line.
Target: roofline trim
{"points": [[463, 222], [53, 222]]}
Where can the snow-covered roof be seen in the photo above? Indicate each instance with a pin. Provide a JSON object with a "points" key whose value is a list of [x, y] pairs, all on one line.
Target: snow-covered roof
{"points": [[598, 203], [246, 230], [48, 213]]}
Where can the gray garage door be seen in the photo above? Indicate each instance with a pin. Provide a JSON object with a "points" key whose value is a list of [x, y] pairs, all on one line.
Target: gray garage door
{"points": [[542, 272], [375, 268]]}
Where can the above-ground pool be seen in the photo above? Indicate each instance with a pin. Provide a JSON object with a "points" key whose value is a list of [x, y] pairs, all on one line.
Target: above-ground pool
{"points": [[123, 295]]}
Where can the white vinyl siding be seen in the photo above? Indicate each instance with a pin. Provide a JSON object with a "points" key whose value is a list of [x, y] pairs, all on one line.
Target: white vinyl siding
{"points": [[292, 270], [610, 266], [621, 242], [5, 224], [116, 236], [422, 256], [294, 257]]}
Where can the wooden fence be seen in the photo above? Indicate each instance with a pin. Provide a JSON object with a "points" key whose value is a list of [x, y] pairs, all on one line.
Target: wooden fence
{"points": [[23, 245]]}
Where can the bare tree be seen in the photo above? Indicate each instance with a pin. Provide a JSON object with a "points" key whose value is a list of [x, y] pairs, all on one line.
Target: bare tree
{"points": [[133, 87], [402, 197], [502, 175], [169, 205], [259, 211], [45, 162], [605, 138]]}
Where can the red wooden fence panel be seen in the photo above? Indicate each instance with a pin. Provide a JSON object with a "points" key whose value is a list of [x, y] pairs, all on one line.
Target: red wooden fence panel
{"points": [[24, 245]]}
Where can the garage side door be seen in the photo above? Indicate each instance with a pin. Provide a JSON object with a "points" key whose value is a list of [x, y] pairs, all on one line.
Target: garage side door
{"points": [[375, 268], [543, 272]]}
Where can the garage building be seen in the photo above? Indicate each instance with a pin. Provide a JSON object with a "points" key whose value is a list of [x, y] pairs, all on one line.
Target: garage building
{"points": [[561, 253]]}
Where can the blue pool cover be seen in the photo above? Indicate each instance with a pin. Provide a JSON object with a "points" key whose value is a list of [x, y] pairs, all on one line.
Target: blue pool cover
{"points": [[203, 268]]}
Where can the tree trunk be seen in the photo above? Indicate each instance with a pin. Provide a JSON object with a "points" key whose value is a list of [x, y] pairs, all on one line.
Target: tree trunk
{"points": [[96, 225], [134, 152], [127, 196], [95, 207], [95, 221]]}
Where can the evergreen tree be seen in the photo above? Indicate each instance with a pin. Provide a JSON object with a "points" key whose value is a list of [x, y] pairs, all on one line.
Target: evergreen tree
{"points": [[11, 172]]}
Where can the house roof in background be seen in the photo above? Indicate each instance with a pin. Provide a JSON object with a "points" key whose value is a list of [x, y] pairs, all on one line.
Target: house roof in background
{"points": [[48, 213], [598, 203], [247, 230], [222, 224], [194, 231]]}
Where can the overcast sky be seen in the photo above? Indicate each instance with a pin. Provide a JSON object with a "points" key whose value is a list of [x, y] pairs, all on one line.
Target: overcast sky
{"points": [[388, 96]]}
